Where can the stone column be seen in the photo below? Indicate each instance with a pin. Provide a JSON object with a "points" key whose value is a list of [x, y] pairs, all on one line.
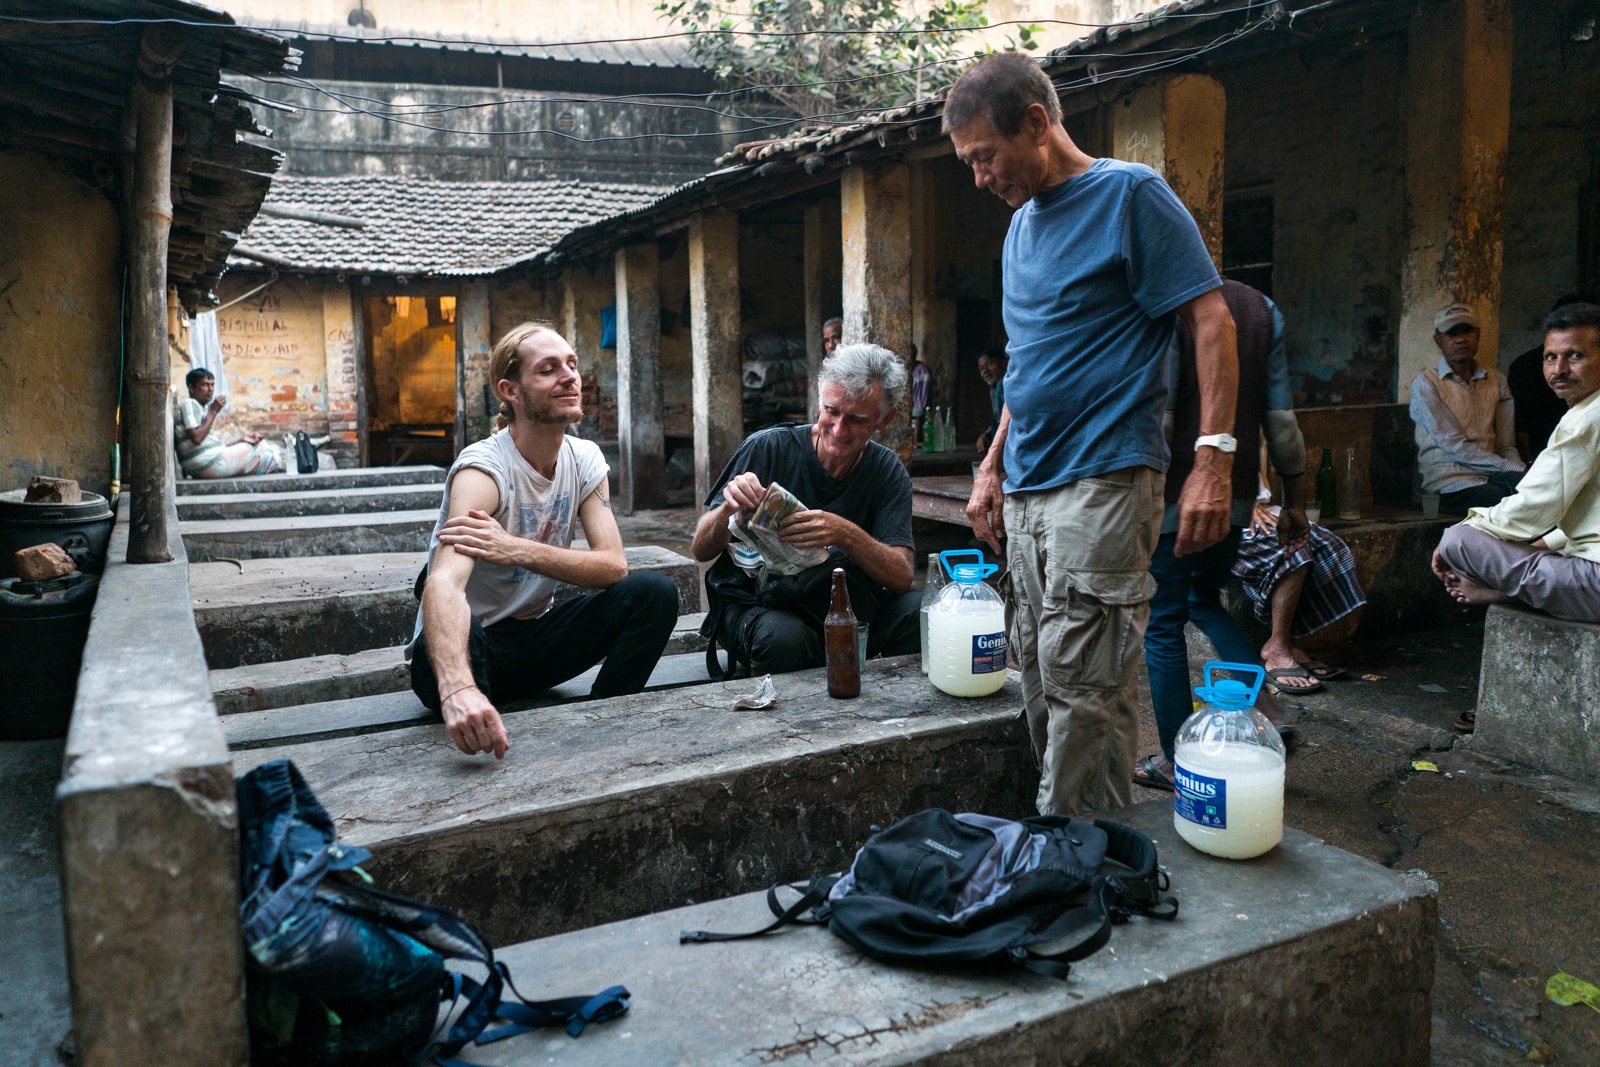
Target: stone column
{"points": [[642, 479], [875, 220], [1175, 127], [472, 364], [584, 291], [716, 331], [823, 253], [343, 375], [1458, 121]]}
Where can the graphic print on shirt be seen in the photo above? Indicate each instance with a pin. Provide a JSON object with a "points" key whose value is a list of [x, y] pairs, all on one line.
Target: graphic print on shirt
{"points": [[549, 523]]}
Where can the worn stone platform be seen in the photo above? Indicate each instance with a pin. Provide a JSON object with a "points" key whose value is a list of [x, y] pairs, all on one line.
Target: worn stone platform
{"points": [[1539, 692], [281, 684], [1307, 956], [265, 610], [612, 808], [351, 478], [310, 535], [398, 708], [223, 507]]}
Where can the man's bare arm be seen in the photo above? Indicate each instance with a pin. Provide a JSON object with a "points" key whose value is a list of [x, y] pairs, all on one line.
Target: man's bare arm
{"points": [[986, 505], [711, 534], [478, 535], [1207, 497], [891, 566], [472, 720]]}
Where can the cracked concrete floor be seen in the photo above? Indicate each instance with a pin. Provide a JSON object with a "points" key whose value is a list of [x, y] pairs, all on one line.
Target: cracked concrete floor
{"points": [[1516, 855]]}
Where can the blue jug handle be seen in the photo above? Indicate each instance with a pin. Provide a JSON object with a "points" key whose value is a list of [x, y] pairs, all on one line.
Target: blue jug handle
{"points": [[1248, 668], [957, 553]]}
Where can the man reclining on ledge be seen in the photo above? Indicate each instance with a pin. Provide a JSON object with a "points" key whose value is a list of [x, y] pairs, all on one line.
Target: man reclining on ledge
{"points": [[1541, 545]]}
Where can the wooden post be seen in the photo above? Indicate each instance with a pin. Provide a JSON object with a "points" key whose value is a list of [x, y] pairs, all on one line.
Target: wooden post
{"points": [[716, 328], [148, 422]]}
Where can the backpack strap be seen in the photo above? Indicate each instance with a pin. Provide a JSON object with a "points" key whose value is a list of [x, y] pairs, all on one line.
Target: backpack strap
{"points": [[812, 900], [1142, 891]]}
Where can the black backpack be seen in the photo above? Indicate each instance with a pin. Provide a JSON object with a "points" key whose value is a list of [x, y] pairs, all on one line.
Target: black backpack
{"points": [[305, 453], [937, 888], [340, 973]]}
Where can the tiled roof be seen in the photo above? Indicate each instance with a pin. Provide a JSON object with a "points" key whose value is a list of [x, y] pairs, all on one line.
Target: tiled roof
{"points": [[419, 226]]}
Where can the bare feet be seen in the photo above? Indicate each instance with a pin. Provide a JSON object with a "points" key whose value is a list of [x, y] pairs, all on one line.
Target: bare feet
{"points": [[1466, 591]]}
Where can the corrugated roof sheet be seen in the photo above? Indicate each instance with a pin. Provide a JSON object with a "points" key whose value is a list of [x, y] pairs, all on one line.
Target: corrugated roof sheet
{"points": [[418, 226], [668, 52]]}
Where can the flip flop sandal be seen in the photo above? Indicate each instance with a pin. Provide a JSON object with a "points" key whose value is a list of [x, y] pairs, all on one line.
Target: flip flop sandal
{"points": [[1276, 674], [1321, 670], [1147, 774]]}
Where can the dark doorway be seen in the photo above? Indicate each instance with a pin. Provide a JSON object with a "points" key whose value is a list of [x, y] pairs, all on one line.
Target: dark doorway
{"points": [[410, 379]]}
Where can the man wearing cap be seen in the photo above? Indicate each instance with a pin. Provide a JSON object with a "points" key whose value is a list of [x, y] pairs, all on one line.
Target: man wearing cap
{"points": [[1466, 437]]}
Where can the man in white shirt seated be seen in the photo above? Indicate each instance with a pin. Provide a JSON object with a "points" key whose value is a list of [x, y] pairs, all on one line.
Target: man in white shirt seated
{"points": [[201, 451], [487, 632], [1541, 545], [1465, 424]]}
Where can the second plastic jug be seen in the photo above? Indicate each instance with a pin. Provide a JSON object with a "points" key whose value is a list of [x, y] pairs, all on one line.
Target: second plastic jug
{"points": [[1229, 763], [967, 630]]}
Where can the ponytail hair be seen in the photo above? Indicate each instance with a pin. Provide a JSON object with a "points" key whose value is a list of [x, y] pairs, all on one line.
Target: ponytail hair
{"points": [[505, 362]]}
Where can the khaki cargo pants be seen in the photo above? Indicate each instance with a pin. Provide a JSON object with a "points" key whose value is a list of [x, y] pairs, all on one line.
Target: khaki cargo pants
{"points": [[1078, 564]]}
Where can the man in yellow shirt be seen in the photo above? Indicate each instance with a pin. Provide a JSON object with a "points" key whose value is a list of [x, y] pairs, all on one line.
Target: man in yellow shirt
{"points": [[1541, 545]]}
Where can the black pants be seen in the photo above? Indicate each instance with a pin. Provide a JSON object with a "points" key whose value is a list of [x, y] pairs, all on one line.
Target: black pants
{"points": [[1500, 485], [627, 625], [776, 642]]}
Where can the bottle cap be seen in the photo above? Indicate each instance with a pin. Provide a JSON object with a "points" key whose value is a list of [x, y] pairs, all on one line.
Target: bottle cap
{"points": [[1230, 694]]}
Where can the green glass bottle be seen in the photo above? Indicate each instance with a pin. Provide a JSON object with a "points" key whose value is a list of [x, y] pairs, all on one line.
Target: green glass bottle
{"points": [[1328, 485]]}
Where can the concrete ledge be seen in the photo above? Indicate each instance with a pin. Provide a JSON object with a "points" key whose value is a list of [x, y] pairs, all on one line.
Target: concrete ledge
{"points": [[223, 507], [149, 834], [351, 478], [266, 610], [400, 708], [606, 809], [282, 684], [1308, 956], [310, 535], [1537, 701]]}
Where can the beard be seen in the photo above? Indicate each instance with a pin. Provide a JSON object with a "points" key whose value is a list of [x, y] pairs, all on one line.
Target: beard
{"points": [[549, 412]]}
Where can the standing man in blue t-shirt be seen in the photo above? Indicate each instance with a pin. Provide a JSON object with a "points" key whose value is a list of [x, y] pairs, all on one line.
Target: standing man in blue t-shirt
{"points": [[1099, 263]]}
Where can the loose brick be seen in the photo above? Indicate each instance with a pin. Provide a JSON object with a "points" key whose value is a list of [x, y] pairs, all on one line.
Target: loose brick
{"points": [[46, 490], [40, 563]]}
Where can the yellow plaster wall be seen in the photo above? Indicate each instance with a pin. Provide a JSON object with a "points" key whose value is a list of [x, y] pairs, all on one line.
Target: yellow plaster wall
{"points": [[274, 352], [60, 301]]}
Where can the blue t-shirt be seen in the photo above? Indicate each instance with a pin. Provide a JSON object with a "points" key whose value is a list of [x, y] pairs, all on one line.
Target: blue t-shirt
{"points": [[1094, 269]]}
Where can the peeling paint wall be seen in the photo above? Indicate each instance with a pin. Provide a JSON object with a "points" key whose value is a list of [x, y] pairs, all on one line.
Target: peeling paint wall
{"points": [[274, 349], [60, 305], [1553, 169], [1324, 131]]}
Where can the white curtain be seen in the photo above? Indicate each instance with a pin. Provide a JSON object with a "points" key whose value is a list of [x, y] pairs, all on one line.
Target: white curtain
{"points": [[205, 348]]}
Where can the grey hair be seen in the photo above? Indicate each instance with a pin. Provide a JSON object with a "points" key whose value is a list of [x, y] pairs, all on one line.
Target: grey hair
{"points": [[1001, 88], [835, 321], [857, 367]]}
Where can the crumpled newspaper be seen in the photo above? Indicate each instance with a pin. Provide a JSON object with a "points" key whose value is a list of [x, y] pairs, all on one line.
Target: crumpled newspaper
{"points": [[765, 696], [759, 530]]}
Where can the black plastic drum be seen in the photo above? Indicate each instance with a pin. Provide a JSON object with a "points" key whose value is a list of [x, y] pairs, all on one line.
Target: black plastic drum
{"points": [[83, 529], [43, 626]]}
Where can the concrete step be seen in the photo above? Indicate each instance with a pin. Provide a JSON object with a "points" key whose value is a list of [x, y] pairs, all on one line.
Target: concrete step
{"points": [[267, 610], [612, 808], [1557, 730], [396, 710], [333, 501], [1246, 975], [351, 478], [309, 535], [261, 686]]}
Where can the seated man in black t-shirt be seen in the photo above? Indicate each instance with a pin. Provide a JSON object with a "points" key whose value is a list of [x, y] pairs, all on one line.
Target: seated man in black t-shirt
{"points": [[858, 497]]}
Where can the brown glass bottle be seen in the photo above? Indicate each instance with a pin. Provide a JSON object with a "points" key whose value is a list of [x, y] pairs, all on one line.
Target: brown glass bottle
{"points": [[840, 635]]}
